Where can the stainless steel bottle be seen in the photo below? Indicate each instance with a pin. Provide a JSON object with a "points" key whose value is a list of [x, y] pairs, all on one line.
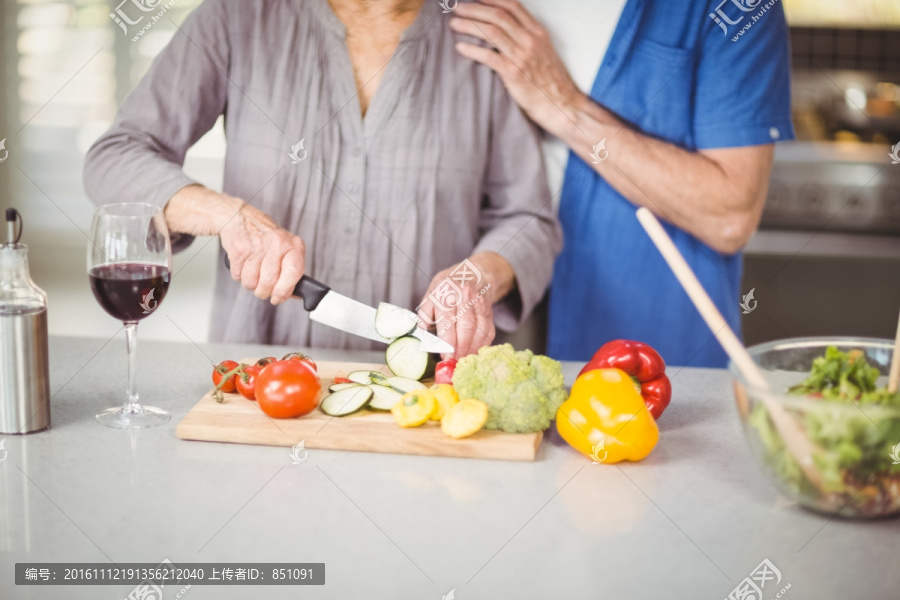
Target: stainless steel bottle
{"points": [[24, 369]]}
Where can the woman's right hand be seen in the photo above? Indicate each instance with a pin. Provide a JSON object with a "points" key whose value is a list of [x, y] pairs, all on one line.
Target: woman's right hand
{"points": [[266, 259]]}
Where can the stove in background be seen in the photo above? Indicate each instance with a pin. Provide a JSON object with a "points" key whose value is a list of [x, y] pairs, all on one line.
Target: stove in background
{"points": [[826, 260]]}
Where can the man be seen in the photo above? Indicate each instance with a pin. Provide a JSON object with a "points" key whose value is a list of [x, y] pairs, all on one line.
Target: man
{"points": [[362, 149], [678, 114]]}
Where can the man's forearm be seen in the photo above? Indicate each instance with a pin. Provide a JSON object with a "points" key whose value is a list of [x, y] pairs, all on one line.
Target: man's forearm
{"points": [[719, 203], [200, 211]]}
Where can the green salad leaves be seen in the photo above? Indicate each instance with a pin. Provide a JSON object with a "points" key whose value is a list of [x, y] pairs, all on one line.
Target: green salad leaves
{"points": [[844, 376]]}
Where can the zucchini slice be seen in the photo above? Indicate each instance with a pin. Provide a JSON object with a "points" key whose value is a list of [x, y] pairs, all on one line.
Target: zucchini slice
{"points": [[336, 387], [404, 359], [362, 377], [392, 322], [403, 385], [346, 401], [383, 397]]}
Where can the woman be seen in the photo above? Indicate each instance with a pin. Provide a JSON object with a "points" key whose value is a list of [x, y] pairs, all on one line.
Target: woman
{"points": [[362, 150]]}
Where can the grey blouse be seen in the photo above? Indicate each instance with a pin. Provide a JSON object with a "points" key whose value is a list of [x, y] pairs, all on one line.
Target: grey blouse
{"points": [[443, 165]]}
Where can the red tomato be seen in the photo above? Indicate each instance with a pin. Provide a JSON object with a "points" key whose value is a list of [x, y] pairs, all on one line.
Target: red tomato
{"points": [[264, 361], [342, 380], [302, 358], [288, 388], [246, 381], [221, 369]]}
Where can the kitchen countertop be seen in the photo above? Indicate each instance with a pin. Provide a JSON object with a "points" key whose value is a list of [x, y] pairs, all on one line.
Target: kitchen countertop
{"points": [[792, 243], [690, 521]]}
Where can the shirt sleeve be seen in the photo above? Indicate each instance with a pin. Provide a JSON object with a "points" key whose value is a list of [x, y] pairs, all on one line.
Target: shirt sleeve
{"points": [[140, 157], [743, 95], [518, 220]]}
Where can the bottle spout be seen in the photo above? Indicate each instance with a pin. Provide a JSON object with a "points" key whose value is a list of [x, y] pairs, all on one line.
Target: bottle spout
{"points": [[18, 292]]}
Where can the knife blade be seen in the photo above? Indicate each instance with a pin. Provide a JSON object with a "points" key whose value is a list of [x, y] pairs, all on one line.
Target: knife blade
{"points": [[335, 310], [346, 314]]}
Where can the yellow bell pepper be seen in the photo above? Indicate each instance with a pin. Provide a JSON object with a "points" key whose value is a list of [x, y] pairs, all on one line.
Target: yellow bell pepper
{"points": [[605, 418]]}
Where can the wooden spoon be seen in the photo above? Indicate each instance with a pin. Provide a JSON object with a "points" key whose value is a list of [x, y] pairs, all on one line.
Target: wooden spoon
{"points": [[894, 374], [798, 444]]}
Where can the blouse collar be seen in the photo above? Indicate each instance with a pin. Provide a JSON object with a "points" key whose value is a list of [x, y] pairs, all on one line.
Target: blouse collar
{"points": [[429, 16]]}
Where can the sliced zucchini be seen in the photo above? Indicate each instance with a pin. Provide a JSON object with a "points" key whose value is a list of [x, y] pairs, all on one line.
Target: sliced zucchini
{"points": [[336, 387], [346, 401], [404, 359], [363, 377], [383, 397], [392, 322], [403, 384]]}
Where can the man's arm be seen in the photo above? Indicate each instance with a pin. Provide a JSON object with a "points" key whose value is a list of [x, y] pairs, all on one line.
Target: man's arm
{"points": [[717, 194]]}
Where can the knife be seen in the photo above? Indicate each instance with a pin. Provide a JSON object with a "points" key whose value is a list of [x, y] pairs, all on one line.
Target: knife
{"points": [[335, 310]]}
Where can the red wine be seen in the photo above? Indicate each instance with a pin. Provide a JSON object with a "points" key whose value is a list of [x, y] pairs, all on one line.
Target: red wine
{"points": [[129, 291]]}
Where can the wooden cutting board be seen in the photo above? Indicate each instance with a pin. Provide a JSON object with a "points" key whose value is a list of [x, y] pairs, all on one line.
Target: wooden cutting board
{"points": [[240, 421]]}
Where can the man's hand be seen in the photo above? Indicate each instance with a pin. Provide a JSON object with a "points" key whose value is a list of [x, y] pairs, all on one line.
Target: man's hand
{"points": [[459, 301], [266, 259], [525, 59]]}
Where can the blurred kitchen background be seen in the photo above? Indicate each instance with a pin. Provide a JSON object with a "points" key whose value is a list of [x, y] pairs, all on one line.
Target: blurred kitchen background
{"points": [[826, 260]]}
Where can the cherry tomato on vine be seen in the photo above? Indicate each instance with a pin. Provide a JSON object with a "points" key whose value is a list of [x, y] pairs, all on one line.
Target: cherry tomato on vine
{"points": [[264, 361], [245, 381], [302, 358], [220, 371]]}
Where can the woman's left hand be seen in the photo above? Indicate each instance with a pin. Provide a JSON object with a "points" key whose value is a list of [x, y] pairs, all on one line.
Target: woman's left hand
{"points": [[524, 58], [459, 302]]}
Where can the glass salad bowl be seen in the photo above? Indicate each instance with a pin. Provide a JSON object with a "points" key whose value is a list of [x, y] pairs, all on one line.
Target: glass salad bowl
{"points": [[855, 434]]}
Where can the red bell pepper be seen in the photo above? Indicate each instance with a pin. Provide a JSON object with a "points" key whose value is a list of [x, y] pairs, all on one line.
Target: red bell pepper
{"points": [[645, 366]]}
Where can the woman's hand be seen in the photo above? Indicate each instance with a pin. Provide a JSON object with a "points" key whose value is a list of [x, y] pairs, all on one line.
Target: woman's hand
{"points": [[459, 301], [524, 58], [266, 259]]}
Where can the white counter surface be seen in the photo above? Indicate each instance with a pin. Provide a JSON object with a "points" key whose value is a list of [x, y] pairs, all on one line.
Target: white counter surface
{"points": [[691, 521]]}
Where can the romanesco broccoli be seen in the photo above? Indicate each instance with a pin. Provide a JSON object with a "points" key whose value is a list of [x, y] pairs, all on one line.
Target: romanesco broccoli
{"points": [[522, 390]]}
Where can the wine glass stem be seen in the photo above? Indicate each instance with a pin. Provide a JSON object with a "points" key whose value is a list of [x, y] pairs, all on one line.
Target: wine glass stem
{"points": [[132, 403]]}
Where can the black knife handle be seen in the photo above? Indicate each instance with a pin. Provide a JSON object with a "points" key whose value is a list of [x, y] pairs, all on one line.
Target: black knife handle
{"points": [[311, 290]]}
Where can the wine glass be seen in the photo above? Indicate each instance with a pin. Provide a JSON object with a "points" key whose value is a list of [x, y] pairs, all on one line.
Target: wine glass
{"points": [[129, 263]]}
